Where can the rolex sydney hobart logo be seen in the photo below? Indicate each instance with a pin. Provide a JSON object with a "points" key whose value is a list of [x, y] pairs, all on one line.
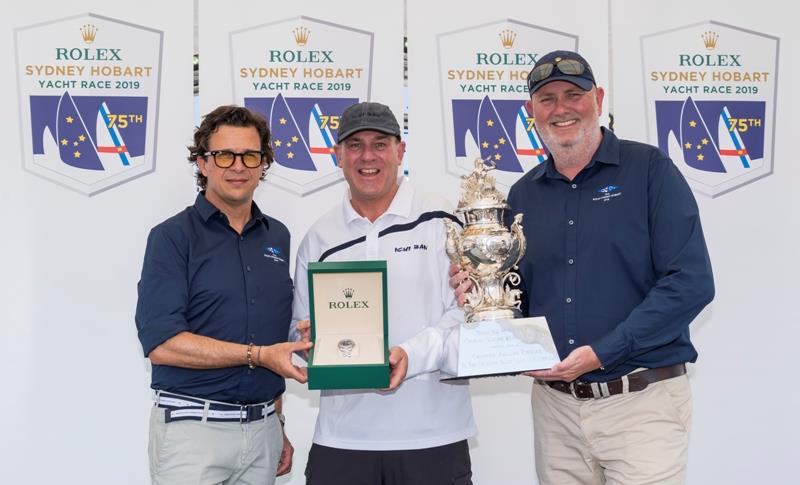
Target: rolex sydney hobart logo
{"points": [[88, 88], [300, 73], [711, 95]]}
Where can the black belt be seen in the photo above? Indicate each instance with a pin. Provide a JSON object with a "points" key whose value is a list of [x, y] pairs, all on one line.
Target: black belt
{"points": [[181, 408], [636, 381]]}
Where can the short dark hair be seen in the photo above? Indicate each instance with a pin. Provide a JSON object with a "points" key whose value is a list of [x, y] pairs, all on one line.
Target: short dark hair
{"points": [[230, 115]]}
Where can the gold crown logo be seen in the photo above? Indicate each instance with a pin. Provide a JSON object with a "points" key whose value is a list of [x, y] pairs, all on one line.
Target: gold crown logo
{"points": [[348, 293], [301, 35], [507, 37], [710, 39], [88, 32]]}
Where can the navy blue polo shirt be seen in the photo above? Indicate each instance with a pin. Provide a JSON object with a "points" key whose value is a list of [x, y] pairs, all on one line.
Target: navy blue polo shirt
{"points": [[616, 258], [201, 276]]}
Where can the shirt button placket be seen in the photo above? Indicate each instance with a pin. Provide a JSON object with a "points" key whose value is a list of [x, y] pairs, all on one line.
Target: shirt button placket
{"points": [[572, 200]]}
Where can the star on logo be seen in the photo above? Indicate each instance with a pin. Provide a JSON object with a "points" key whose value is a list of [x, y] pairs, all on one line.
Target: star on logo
{"points": [[688, 145], [700, 157], [69, 119], [77, 154], [290, 155], [704, 141], [489, 123], [501, 141], [295, 139], [485, 144], [282, 121], [497, 156], [64, 141], [277, 143], [81, 138], [692, 123]]}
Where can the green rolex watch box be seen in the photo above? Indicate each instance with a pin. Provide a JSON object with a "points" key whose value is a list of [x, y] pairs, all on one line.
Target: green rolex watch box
{"points": [[349, 325]]}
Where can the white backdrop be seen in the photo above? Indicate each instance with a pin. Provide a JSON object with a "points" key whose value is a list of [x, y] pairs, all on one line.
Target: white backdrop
{"points": [[74, 408], [743, 399], [75, 397]]}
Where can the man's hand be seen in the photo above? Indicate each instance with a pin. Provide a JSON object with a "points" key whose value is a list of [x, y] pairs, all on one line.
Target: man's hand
{"points": [[460, 283], [578, 362], [304, 328], [278, 358], [285, 461], [398, 362]]}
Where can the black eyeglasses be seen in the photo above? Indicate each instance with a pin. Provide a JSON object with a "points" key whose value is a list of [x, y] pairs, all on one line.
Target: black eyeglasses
{"points": [[226, 158], [570, 67]]}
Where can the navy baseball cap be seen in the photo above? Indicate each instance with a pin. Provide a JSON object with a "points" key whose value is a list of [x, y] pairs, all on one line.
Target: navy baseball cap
{"points": [[367, 116], [561, 66]]}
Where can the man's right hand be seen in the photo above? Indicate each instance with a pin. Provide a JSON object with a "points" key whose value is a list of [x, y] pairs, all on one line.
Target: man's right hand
{"points": [[278, 358], [460, 283]]}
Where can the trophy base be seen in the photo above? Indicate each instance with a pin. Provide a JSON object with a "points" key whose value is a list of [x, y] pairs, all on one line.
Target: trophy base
{"points": [[478, 315], [500, 347]]}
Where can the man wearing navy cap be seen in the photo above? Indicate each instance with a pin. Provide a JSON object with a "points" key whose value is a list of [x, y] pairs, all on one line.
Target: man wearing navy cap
{"points": [[414, 433], [618, 265]]}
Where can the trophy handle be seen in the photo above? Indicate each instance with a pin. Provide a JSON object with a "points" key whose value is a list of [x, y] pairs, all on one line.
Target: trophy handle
{"points": [[453, 245], [519, 237]]}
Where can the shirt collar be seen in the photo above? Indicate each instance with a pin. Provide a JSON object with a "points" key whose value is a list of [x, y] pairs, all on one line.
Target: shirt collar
{"points": [[206, 209], [400, 206], [607, 153]]}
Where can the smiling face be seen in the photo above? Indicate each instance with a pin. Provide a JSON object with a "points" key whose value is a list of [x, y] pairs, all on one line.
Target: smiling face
{"points": [[567, 117], [369, 160], [231, 188]]}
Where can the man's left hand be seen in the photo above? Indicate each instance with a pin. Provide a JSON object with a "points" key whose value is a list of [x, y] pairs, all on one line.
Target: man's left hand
{"points": [[578, 362], [285, 461], [398, 361]]}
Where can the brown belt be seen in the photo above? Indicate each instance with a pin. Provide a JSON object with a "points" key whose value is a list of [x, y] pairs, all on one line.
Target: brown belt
{"points": [[636, 381]]}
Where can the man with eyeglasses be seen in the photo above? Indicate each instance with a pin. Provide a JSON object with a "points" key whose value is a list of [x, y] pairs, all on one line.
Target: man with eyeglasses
{"points": [[617, 263], [414, 433], [214, 309]]}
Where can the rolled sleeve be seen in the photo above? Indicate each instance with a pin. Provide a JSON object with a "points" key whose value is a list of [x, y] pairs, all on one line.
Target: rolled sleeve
{"points": [[163, 290]]}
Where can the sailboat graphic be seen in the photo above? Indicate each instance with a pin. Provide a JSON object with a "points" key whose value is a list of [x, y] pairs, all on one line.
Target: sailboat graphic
{"points": [[75, 145], [529, 146], [111, 147], [321, 141], [494, 140], [730, 141]]}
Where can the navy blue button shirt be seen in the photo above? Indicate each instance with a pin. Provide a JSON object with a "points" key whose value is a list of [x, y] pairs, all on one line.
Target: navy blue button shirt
{"points": [[616, 258], [201, 276]]}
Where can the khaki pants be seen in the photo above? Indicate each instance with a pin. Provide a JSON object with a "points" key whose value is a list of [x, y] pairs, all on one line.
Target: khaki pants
{"points": [[202, 452], [638, 438]]}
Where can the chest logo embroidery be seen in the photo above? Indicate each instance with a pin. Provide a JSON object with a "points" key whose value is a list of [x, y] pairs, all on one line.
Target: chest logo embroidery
{"points": [[411, 247], [607, 193], [274, 254]]}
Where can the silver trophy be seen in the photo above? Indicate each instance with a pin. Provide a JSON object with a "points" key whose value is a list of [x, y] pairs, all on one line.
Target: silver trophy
{"points": [[486, 248]]}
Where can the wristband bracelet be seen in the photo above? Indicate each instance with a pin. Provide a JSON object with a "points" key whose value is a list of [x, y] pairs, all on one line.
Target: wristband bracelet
{"points": [[250, 363]]}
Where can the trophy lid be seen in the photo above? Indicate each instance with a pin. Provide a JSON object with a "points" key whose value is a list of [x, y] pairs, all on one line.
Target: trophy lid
{"points": [[478, 190]]}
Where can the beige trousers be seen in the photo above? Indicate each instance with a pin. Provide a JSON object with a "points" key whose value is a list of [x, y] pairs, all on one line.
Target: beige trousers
{"points": [[639, 438], [202, 452]]}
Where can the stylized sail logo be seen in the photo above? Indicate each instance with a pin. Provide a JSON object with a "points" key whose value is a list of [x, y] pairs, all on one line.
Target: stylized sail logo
{"points": [[500, 130], [302, 130], [724, 137], [86, 132]]}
